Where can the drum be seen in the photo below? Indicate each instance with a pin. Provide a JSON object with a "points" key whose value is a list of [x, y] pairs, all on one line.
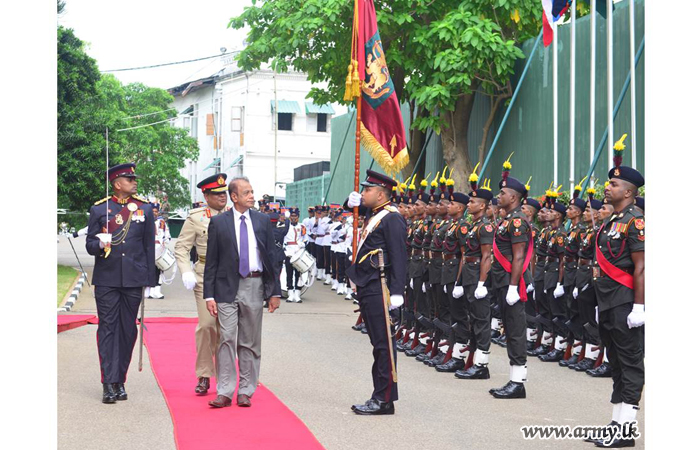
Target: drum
{"points": [[302, 261], [165, 260]]}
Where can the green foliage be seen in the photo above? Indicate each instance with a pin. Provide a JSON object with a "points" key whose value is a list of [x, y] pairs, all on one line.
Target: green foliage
{"points": [[88, 104]]}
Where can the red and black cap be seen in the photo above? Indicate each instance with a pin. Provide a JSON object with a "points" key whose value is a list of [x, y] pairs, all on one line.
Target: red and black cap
{"points": [[509, 182], [376, 179], [122, 170], [213, 184], [534, 203], [558, 207], [459, 198]]}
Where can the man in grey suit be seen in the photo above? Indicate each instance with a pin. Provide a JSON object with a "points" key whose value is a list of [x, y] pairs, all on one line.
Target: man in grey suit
{"points": [[239, 275]]}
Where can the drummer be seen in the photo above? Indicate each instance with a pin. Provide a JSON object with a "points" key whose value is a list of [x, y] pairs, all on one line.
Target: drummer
{"points": [[293, 243]]}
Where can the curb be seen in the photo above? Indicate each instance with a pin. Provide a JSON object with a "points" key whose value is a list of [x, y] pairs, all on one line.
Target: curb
{"points": [[73, 295]]}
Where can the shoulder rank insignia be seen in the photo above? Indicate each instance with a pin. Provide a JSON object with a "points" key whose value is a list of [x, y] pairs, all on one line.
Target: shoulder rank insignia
{"points": [[517, 223], [639, 224], [139, 198], [101, 201], [463, 229], [534, 234], [196, 210], [391, 208], [489, 228]]}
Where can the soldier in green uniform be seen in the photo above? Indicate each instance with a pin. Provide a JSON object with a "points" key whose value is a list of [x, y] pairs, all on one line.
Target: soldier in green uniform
{"points": [[618, 279], [476, 241], [194, 235], [538, 295], [531, 209]]}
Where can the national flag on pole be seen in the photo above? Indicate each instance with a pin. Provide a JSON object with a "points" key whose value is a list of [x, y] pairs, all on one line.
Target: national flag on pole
{"points": [[552, 12], [381, 125]]}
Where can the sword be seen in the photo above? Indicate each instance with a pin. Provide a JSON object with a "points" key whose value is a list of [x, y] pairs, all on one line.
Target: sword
{"points": [[76, 257], [386, 303], [143, 309]]}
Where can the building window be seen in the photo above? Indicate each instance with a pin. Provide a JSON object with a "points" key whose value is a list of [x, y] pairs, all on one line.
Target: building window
{"points": [[237, 119], [322, 123], [194, 123], [284, 121]]}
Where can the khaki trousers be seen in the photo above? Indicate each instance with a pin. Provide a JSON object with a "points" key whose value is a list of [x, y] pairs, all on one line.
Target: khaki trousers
{"points": [[206, 335]]}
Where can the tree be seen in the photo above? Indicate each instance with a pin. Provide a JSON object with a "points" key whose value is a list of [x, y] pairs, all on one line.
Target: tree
{"points": [[439, 52], [88, 104]]}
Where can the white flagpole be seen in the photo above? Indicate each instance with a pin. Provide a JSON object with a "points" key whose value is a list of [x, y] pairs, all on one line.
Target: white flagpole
{"points": [[611, 133], [572, 98], [633, 90], [592, 99], [107, 179], [555, 92]]}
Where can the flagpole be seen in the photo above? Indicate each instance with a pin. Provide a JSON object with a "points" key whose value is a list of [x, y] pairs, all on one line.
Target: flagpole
{"points": [[572, 98], [592, 99], [355, 210], [633, 91], [609, 23], [555, 92]]}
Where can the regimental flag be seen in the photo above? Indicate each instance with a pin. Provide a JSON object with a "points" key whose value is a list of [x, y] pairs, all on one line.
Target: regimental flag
{"points": [[381, 125], [274, 205], [552, 12]]}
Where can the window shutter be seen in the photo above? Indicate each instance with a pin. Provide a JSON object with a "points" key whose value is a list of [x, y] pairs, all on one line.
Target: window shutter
{"points": [[210, 124]]}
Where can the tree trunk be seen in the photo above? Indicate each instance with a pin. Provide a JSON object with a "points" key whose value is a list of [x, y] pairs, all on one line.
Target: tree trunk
{"points": [[495, 104], [454, 142]]}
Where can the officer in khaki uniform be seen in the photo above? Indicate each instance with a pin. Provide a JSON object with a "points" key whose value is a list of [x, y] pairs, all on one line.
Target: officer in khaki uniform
{"points": [[194, 234]]}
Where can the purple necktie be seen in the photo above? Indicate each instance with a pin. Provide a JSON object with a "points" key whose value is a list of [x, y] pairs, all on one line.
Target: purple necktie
{"points": [[244, 264]]}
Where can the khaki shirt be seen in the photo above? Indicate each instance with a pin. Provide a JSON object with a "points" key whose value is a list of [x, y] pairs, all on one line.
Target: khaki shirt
{"points": [[194, 234]]}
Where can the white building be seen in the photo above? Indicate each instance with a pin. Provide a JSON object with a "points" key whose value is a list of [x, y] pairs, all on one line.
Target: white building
{"points": [[231, 115]]}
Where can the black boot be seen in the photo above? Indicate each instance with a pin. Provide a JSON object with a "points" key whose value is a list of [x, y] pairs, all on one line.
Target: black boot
{"points": [[358, 327], [420, 348], [502, 341], [602, 371], [475, 372], [616, 443], [453, 365], [510, 390], [438, 359], [495, 334], [121, 392], [109, 395], [583, 365], [374, 407], [568, 362], [531, 345], [553, 356], [541, 350], [590, 439]]}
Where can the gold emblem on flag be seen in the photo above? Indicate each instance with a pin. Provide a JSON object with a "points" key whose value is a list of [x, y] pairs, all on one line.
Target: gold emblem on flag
{"points": [[378, 73]]}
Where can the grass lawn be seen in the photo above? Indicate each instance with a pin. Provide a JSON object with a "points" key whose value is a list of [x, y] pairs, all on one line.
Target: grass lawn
{"points": [[66, 276]]}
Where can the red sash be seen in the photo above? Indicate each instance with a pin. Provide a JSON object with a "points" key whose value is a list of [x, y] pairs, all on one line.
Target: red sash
{"points": [[112, 225], [611, 269], [522, 289]]}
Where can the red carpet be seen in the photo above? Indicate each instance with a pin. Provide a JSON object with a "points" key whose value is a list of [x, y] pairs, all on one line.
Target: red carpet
{"points": [[268, 424], [70, 321]]}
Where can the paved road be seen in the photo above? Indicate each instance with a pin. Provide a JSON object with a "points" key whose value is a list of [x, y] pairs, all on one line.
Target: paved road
{"points": [[318, 367]]}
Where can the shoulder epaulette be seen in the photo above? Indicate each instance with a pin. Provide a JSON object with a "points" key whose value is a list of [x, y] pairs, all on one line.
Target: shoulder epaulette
{"points": [[391, 208], [101, 201], [196, 210], [139, 198]]}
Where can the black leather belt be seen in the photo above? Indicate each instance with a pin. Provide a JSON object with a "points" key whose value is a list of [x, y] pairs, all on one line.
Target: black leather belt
{"points": [[569, 258], [471, 259], [552, 259], [449, 256]]}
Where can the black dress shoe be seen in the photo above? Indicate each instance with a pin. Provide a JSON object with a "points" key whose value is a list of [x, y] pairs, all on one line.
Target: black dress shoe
{"points": [[374, 408], [438, 359], [364, 330], [492, 390], [120, 391], [616, 443], [495, 334], [583, 365], [354, 407], [502, 341], [475, 372], [109, 395], [531, 345], [400, 347], [358, 327], [541, 350], [202, 386], [510, 390], [420, 348], [602, 371], [568, 362], [590, 439], [553, 356], [453, 365]]}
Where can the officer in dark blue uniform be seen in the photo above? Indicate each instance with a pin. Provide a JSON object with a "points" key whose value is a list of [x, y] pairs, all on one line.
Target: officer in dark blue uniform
{"points": [[121, 237], [385, 231]]}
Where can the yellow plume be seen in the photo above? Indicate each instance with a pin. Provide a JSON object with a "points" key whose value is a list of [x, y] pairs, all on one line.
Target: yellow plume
{"points": [[620, 144], [507, 165], [527, 185]]}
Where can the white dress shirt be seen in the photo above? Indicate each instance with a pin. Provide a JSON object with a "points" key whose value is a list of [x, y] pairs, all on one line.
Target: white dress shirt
{"points": [[254, 258]]}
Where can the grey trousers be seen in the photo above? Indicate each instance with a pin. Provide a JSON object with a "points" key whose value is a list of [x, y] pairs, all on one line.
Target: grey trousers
{"points": [[240, 332]]}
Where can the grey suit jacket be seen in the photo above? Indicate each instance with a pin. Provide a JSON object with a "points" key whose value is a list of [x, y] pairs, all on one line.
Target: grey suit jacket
{"points": [[221, 275]]}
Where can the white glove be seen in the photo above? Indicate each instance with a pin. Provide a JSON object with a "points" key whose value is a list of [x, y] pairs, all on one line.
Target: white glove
{"points": [[636, 317], [480, 291], [575, 293], [354, 199], [423, 288], [105, 238], [513, 296], [410, 283], [530, 288], [396, 301], [189, 280], [458, 291], [559, 291], [444, 289]]}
